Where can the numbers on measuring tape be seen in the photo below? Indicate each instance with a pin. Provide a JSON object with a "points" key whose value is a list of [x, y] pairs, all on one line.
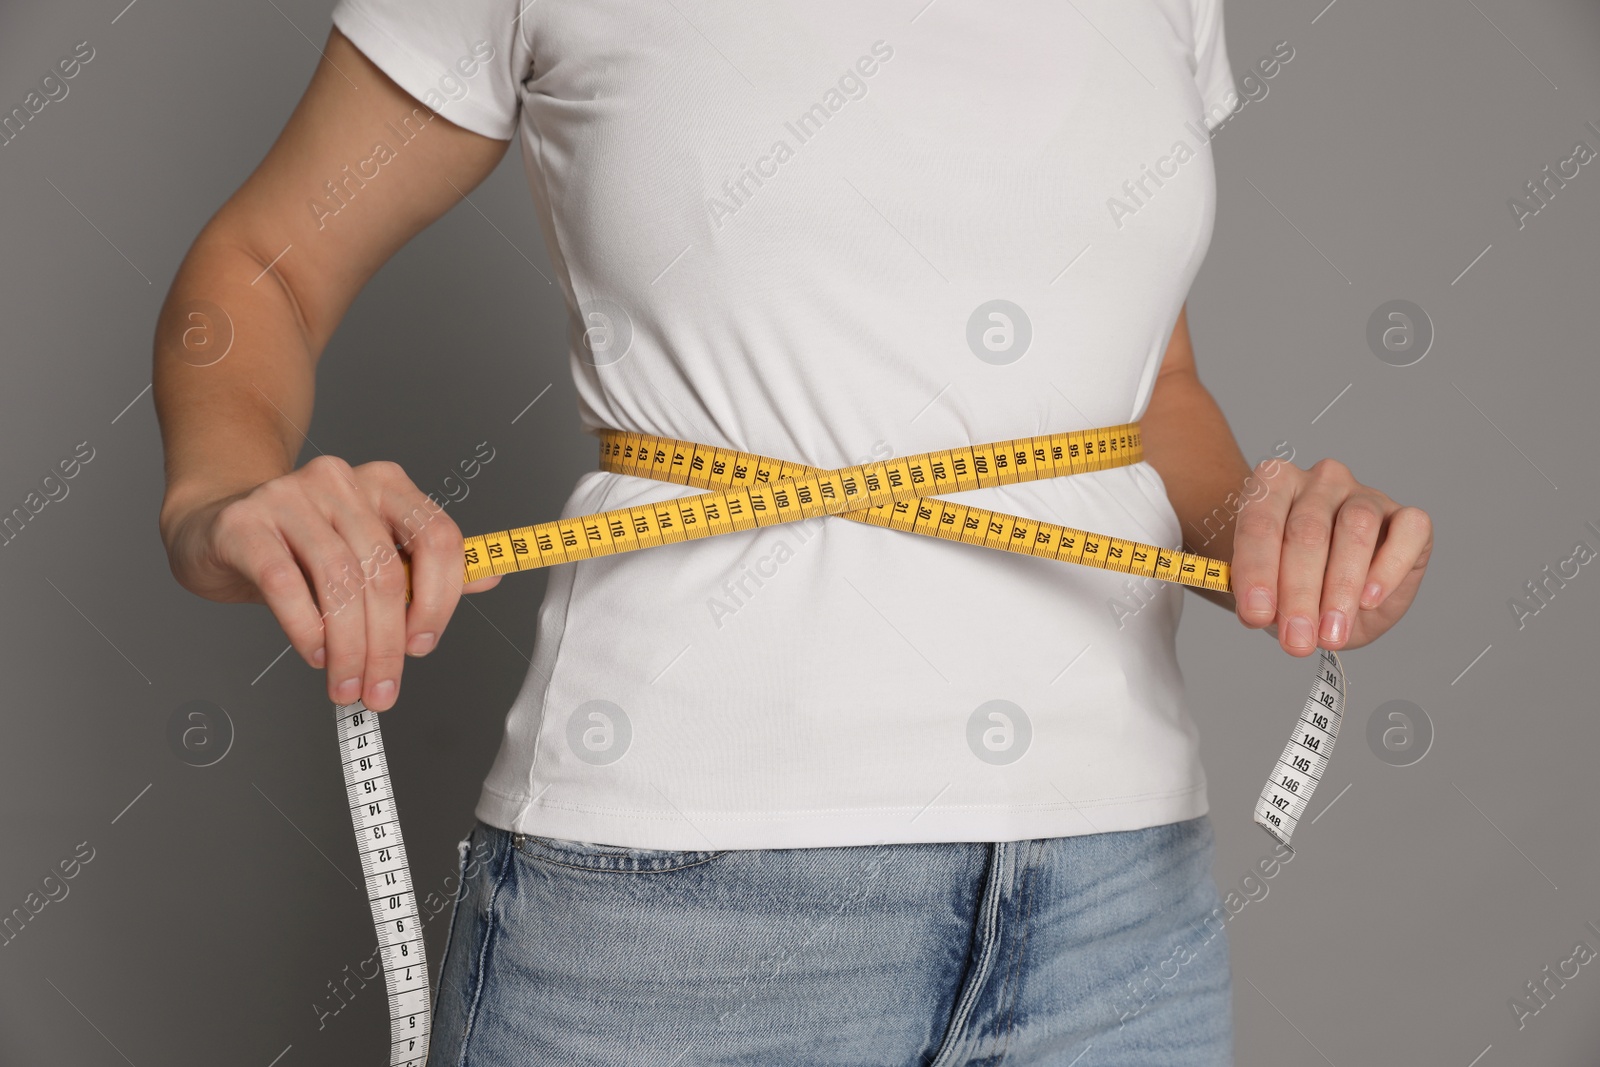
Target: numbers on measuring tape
{"points": [[747, 492], [1300, 769], [390, 896]]}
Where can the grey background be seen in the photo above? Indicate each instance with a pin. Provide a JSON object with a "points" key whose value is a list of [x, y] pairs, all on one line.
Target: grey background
{"points": [[1378, 167]]}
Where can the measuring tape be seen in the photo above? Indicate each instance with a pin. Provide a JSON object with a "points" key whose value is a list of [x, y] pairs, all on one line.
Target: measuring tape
{"points": [[390, 894], [748, 492], [1299, 770], [755, 491]]}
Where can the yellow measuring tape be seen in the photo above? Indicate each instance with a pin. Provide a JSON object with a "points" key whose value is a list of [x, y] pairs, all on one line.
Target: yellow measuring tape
{"points": [[751, 491]]}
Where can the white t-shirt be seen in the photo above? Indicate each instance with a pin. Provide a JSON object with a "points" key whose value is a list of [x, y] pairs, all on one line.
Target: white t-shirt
{"points": [[831, 232]]}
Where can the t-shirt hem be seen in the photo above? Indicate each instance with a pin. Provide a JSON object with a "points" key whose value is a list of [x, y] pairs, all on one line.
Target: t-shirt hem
{"points": [[845, 826]]}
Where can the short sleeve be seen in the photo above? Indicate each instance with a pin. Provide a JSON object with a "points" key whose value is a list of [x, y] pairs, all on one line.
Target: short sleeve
{"points": [[1212, 76], [465, 59]]}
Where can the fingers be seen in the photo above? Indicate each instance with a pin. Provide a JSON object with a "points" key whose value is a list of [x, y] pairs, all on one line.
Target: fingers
{"points": [[1319, 549], [397, 512], [332, 567], [1258, 544], [1406, 546], [319, 546], [249, 543], [1308, 542], [433, 542], [381, 588], [1357, 527]]}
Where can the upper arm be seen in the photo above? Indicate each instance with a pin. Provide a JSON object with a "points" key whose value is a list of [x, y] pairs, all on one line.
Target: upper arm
{"points": [[360, 168]]}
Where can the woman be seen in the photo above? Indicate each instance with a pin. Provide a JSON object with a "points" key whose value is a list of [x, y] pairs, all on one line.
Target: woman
{"points": [[818, 793]]}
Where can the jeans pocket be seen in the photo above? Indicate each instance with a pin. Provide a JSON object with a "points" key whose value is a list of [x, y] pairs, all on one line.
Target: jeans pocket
{"points": [[616, 859]]}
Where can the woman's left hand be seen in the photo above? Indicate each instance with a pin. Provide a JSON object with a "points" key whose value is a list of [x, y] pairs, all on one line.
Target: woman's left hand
{"points": [[1324, 560]]}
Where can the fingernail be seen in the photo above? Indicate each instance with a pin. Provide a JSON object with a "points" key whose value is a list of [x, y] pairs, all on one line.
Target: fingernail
{"points": [[319, 657], [1257, 602], [420, 645], [1334, 625], [347, 691], [383, 692], [1370, 595], [1300, 632]]}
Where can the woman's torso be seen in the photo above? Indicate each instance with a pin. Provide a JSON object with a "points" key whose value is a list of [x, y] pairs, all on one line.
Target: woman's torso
{"points": [[786, 230]]}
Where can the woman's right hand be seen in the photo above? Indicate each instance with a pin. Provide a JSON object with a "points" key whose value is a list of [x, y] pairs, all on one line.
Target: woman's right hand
{"points": [[317, 546], [235, 355]]}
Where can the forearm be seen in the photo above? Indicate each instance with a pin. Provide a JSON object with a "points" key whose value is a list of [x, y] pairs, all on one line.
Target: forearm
{"points": [[235, 423], [1189, 443], [234, 376]]}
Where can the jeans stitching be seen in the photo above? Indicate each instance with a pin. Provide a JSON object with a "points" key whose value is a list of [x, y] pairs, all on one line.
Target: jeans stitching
{"points": [[481, 978], [1022, 948], [972, 980], [622, 870], [1011, 964], [455, 911], [700, 857]]}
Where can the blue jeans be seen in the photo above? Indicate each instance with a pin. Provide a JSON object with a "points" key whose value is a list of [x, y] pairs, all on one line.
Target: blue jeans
{"points": [[1106, 950]]}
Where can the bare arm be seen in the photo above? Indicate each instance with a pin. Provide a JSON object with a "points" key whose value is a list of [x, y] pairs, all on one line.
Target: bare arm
{"points": [[1321, 558], [1189, 443], [270, 276]]}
